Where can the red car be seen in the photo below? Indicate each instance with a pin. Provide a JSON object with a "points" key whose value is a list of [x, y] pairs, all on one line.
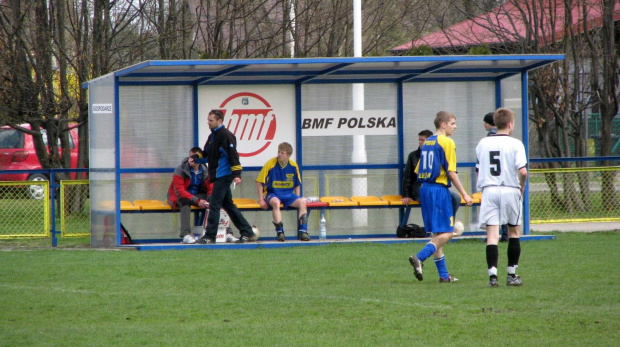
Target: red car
{"points": [[17, 153]]}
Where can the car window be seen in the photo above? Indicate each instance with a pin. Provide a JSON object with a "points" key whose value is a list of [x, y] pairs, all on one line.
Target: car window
{"points": [[11, 138], [44, 135], [71, 144]]}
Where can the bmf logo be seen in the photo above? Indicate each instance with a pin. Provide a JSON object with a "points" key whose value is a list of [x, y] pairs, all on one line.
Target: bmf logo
{"points": [[254, 127]]}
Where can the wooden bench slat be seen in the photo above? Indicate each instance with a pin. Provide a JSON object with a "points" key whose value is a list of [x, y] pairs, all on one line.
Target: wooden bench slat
{"points": [[369, 200], [129, 206], [246, 203], [152, 205], [338, 201], [325, 202], [396, 200], [476, 197]]}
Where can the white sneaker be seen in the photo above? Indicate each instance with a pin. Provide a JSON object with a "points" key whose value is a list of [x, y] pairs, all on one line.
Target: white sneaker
{"points": [[231, 238], [188, 239]]}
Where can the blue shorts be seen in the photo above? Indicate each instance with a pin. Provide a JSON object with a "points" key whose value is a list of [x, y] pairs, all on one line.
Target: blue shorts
{"points": [[287, 199], [436, 204]]}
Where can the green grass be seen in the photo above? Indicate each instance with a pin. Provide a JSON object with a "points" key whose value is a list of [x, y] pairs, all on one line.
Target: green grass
{"points": [[336, 295]]}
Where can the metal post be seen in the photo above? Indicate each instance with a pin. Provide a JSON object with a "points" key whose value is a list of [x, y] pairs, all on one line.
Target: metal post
{"points": [[359, 184], [292, 30], [52, 188], [525, 138]]}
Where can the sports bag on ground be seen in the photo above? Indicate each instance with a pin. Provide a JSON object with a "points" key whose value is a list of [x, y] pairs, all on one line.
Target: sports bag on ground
{"points": [[410, 231], [126, 238]]}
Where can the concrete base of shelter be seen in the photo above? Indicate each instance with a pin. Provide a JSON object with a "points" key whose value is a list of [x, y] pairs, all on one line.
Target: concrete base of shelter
{"points": [[272, 243], [576, 227]]}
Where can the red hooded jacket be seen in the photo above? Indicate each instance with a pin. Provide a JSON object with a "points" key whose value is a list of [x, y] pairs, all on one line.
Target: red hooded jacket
{"points": [[180, 182]]}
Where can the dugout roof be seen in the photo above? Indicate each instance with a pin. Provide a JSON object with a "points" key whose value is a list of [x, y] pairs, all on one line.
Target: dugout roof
{"points": [[390, 69]]}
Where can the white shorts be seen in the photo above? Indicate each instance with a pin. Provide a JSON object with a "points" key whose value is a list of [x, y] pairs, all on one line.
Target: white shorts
{"points": [[500, 205]]}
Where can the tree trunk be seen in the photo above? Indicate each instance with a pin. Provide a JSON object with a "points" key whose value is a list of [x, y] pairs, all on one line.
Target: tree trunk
{"points": [[609, 99], [556, 199], [573, 201], [584, 190]]}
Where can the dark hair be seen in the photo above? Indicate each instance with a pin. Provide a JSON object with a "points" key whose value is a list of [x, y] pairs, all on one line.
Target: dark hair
{"points": [[197, 153], [425, 133], [488, 118], [218, 114]]}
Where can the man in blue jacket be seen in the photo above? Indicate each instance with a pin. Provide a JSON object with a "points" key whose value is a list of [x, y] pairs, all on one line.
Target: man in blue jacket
{"points": [[224, 168]]}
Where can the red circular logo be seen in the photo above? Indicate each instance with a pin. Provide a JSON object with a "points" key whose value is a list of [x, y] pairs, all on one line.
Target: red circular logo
{"points": [[252, 120]]}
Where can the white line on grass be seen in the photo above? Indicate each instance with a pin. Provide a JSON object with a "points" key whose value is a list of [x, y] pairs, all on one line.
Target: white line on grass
{"points": [[380, 301], [293, 296], [62, 290]]}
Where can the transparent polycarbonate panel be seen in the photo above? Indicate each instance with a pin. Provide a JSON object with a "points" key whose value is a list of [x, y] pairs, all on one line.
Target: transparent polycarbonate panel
{"points": [[156, 125], [468, 101]]}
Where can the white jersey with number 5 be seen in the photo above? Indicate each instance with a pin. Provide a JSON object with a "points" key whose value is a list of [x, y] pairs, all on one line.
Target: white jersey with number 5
{"points": [[498, 159]]}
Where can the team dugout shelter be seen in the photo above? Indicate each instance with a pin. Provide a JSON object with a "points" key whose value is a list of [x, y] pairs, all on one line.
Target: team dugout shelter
{"points": [[351, 122]]}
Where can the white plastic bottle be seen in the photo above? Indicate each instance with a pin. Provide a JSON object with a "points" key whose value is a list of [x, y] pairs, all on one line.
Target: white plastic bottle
{"points": [[322, 229]]}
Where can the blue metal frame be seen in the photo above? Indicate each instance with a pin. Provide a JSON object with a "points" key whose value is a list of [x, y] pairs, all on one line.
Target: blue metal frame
{"points": [[343, 70], [400, 110], [299, 142], [195, 114], [313, 243], [235, 71], [339, 60], [400, 119], [525, 139], [498, 93], [117, 160]]}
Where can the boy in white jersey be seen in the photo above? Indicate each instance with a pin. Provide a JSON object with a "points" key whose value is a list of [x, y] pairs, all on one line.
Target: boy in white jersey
{"points": [[502, 172]]}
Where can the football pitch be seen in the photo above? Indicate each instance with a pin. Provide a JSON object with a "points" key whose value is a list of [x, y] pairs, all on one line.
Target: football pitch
{"points": [[334, 295]]}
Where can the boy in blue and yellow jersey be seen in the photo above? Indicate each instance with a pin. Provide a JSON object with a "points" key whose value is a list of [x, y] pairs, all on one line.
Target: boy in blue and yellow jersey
{"points": [[436, 170], [280, 182]]}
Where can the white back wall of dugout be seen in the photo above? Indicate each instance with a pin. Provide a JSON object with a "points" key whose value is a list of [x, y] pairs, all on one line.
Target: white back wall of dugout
{"points": [[144, 118]]}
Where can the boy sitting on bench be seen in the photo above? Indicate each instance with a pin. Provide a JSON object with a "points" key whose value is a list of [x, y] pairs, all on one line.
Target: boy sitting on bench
{"points": [[190, 186], [278, 182]]}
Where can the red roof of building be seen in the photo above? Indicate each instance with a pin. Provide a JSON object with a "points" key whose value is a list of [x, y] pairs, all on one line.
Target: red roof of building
{"points": [[506, 24]]}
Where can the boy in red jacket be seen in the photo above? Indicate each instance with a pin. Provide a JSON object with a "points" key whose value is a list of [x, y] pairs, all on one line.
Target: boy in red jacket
{"points": [[190, 186]]}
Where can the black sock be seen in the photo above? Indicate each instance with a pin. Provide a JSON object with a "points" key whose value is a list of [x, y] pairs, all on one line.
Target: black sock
{"points": [[279, 227], [514, 251], [492, 256]]}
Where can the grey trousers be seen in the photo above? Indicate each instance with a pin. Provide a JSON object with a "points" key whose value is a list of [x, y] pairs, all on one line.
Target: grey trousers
{"points": [[185, 205]]}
